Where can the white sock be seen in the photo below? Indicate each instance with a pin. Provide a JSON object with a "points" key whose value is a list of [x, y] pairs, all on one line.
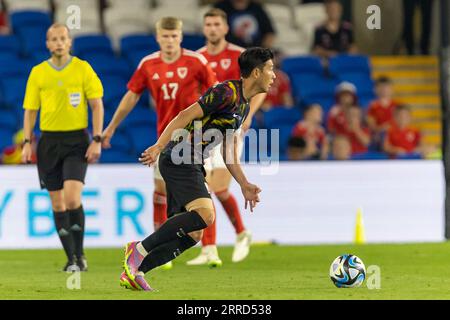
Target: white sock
{"points": [[140, 248]]}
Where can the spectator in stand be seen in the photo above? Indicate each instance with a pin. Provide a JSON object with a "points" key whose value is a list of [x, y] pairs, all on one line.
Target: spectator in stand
{"points": [[334, 36], [381, 111], [345, 98], [296, 149], [409, 10], [4, 25], [356, 131], [402, 139], [312, 133], [13, 154], [341, 148], [280, 93], [250, 25]]}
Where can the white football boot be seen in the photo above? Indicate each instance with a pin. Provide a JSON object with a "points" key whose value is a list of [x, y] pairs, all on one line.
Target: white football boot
{"points": [[242, 246]]}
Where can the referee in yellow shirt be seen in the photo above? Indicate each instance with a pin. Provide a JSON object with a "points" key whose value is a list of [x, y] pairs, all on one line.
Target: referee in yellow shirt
{"points": [[61, 89]]}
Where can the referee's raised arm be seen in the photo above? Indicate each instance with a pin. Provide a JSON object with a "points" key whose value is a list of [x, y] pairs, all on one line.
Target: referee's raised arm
{"points": [[60, 89]]}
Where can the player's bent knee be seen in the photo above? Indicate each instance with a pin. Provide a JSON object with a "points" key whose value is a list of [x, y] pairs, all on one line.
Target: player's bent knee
{"points": [[160, 186], [204, 207], [196, 235], [72, 205]]}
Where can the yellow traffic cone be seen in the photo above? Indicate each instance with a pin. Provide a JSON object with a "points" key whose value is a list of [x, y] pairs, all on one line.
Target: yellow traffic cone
{"points": [[360, 237]]}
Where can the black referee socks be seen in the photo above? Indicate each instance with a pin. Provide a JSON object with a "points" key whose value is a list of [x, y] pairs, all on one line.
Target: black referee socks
{"points": [[166, 252], [77, 229], [177, 226], [62, 224]]}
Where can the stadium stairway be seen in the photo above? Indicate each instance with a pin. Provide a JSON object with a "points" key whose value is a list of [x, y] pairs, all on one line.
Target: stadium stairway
{"points": [[416, 83]]}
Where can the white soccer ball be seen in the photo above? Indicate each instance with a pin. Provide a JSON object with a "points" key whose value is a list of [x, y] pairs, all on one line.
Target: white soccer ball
{"points": [[347, 271]]}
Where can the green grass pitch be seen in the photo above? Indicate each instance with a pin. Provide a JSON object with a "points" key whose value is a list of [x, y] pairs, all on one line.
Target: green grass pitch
{"points": [[408, 271]]}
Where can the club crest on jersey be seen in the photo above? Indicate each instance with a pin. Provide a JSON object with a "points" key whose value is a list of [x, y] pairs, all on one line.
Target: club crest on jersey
{"points": [[182, 72], [225, 63], [75, 99]]}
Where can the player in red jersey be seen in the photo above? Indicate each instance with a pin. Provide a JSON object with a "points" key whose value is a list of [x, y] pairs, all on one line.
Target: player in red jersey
{"points": [[176, 78], [402, 138], [223, 57]]}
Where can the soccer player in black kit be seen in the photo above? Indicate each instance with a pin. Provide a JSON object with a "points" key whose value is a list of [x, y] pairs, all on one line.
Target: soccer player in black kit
{"points": [[219, 113]]}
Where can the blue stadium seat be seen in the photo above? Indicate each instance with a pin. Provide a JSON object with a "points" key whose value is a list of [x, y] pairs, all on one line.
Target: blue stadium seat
{"points": [[100, 44], [285, 132], [9, 120], [140, 116], [13, 91], [303, 64], [111, 67], [138, 42], [10, 44], [117, 156], [363, 82], [33, 39], [114, 88], [193, 41], [142, 137], [121, 142], [134, 58], [276, 117], [15, 67], [326, 102], [20, 19], [40, 55], [6, 135], [410, 156], [306, 85], [349, 63], [371, 155]]}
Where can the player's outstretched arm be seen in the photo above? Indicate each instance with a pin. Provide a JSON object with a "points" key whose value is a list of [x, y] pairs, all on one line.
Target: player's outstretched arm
{"points": [[149, 156], [94, 150], [29, 121], [231, 159], [128, 102]]}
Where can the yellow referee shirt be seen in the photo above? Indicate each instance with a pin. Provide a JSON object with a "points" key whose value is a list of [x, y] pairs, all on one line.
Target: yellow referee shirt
{"points": [[61, 94]]}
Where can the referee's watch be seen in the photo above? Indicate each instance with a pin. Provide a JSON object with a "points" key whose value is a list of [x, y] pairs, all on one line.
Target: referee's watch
{"points": [[97, 138], [25, 141]]}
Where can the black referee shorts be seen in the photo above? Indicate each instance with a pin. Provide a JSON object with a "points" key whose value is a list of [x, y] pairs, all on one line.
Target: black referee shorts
{"points": [[184, 183], [61, 157]]}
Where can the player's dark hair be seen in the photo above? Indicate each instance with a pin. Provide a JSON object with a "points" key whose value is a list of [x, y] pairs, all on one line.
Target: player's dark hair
{"points": [[383, 80], [296, 142], [253, 58], [402, 107]]}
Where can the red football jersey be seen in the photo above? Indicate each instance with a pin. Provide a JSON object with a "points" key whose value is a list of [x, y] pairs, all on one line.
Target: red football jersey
{"points": [[381, 114], [336, 121], [174, 86], [302, 130], [224, 64], [407, 138], [280, 86]]}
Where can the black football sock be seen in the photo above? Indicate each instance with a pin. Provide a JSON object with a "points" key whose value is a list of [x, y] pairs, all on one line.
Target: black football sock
{"points": [[77, 229], [166, 252], [176, 227], [62, 224]]}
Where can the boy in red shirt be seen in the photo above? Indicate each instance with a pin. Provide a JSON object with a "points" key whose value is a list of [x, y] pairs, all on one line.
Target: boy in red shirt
{"points": [[402, 138], [345, 98], [381, 110], [312, 132]]}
